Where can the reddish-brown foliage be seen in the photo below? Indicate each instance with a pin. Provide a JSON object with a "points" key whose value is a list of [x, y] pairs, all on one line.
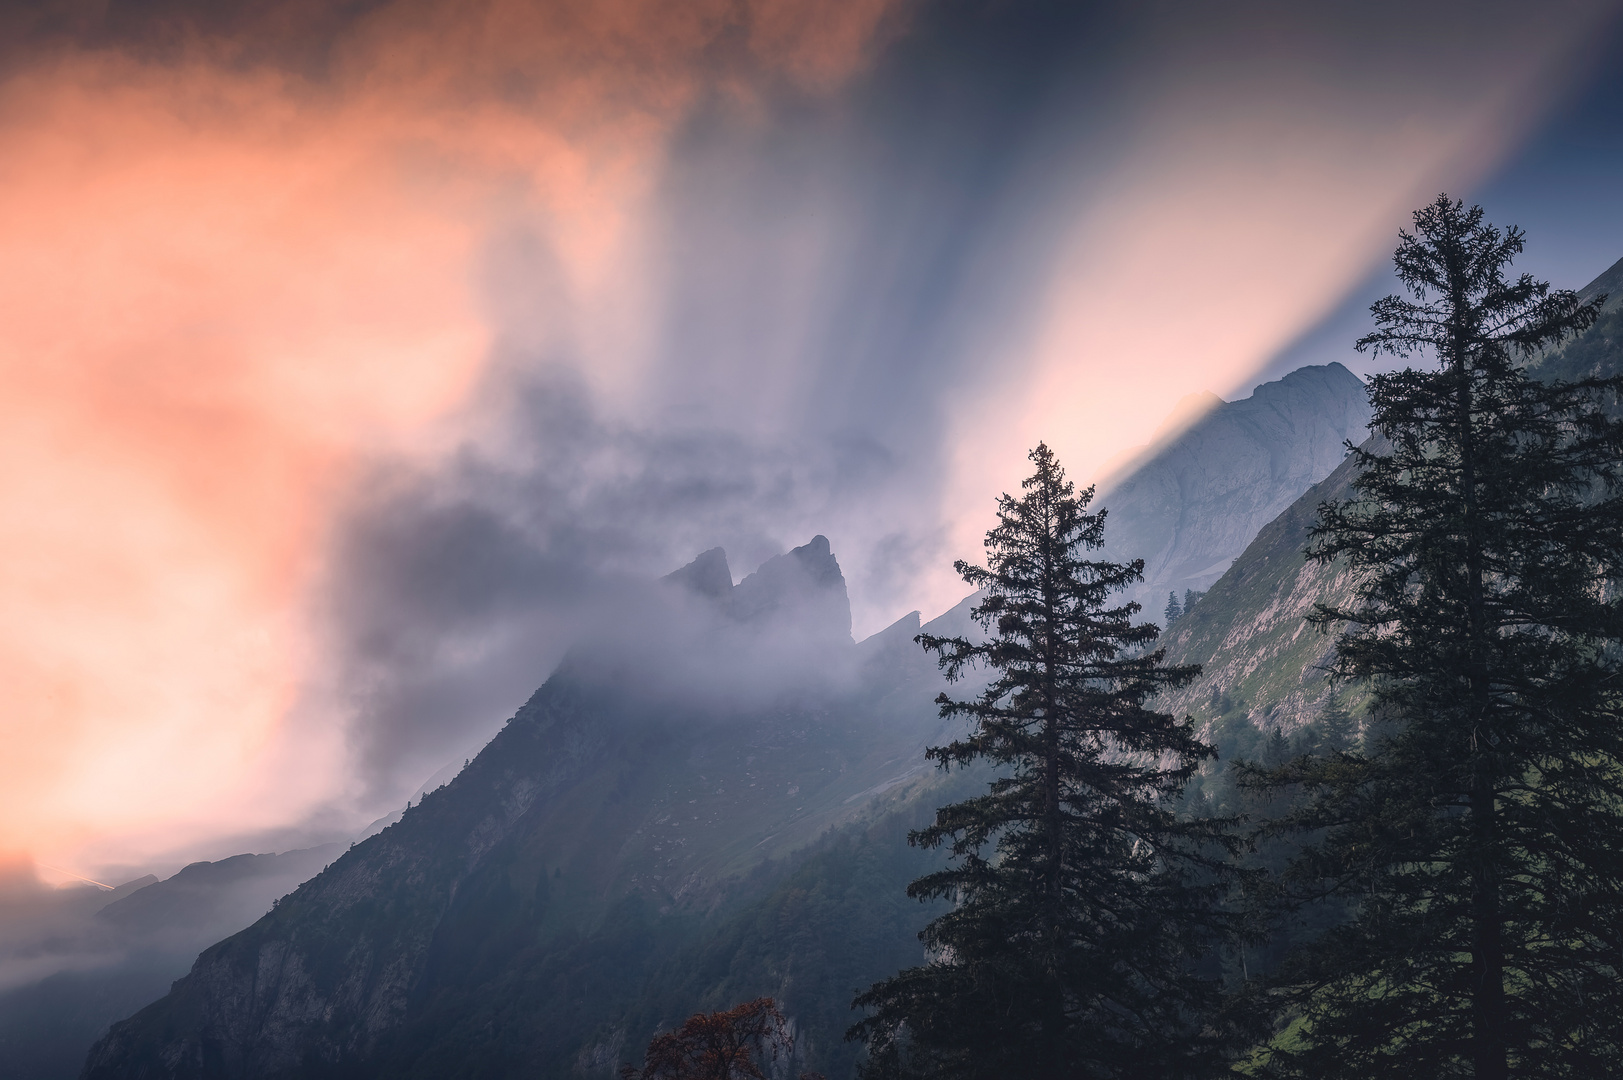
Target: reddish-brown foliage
{"points": [[736, 1044]]}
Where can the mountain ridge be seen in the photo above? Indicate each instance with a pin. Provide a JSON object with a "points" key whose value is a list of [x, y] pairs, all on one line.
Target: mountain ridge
{"points": [[1264, 667], [591, 798], [1190, 507], [601, 816]]}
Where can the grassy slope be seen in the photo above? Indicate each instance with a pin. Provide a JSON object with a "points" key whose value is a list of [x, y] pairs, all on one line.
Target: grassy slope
{"points": [[1260, 658]]}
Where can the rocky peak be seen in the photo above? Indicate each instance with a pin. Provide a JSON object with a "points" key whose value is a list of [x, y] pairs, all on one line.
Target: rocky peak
{"points": [[804, 586], [1191, 506], [708, 575], [801, 591]]}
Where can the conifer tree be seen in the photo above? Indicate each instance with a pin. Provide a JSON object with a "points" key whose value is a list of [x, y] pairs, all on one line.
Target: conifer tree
{"points": [[1335, 727], [1174, 610], [1080, 898], [1478, 827]]}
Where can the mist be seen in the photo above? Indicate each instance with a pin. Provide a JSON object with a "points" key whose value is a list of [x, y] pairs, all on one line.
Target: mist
{"points": [[365, 362], [858, 314]]}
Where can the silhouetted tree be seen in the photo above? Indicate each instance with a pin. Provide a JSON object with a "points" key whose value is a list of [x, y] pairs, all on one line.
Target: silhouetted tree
{"points": [[1081, 898], [740, 1043], [1479, 827], [1337, 730], [1174, 610], [1277, 750]]}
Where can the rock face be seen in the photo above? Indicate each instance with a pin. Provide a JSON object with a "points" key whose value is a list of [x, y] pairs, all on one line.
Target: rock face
{"points": [[1190, 509], [1261, 662], [802, 591], [708, 575], [1263, 665], [600, 818]]}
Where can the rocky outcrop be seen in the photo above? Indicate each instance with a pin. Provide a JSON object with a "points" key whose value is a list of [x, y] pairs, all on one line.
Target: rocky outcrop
{"points": [[1192, 506], [707, 575], [803, 591], [1262, 662], [800, 593]]}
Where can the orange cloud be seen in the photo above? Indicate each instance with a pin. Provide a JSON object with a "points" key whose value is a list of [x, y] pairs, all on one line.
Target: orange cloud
{"points": [[235, 259]]}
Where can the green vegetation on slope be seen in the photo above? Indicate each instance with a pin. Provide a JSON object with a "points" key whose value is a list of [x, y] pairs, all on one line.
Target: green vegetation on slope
{"points": [[1262, 665]]}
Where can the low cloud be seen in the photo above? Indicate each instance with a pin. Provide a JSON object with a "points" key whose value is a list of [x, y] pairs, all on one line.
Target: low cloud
{"points": [[457, 588], [359, 357]]}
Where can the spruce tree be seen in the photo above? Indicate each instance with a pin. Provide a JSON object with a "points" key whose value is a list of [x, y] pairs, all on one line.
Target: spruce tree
{"points": [[1174, 611], [1081, 899], [1335, 727], [1478, 827]]}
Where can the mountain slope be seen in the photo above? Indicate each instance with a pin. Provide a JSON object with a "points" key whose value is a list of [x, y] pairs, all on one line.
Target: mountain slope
{"points": [[1260, 659], [630, 846], [1264, 666], [710, 807], [1192, 507], [115, 951], [617, 823]]}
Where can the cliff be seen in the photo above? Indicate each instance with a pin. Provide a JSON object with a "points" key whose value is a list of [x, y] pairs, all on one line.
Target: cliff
{"points": [[1192, 506]]}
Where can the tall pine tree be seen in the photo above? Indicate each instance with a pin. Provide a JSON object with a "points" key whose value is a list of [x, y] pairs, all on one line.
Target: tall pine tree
{"points": [[1479, 828], [1081, 899]]}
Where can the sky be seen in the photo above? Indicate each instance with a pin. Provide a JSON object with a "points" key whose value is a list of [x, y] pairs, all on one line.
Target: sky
{"points": [[357, 357]]}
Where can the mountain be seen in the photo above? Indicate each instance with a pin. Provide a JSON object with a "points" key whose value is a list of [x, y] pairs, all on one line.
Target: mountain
{"points": [[1264, 666], [636, 841], [1261, 662], [706, 805], [1191, 507], [106, 953], [801, 594], [212, 898], [1609, 284], [1596, 351]]}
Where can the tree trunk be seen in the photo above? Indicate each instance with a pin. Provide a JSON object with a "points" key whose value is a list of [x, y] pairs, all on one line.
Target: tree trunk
{"points": [[1488, 1049], [1054, 1007], [1488, 1044]]}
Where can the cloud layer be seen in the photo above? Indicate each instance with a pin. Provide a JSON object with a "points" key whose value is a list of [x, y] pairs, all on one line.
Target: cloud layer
{"points": [[355, 356]]}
